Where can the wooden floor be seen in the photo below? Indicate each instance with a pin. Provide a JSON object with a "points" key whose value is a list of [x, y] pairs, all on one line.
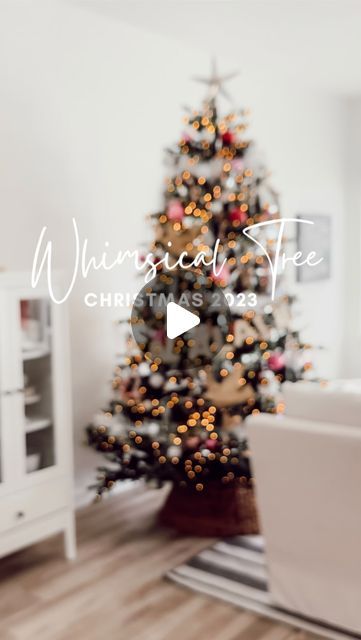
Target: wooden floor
{"points": [[115, 589]]}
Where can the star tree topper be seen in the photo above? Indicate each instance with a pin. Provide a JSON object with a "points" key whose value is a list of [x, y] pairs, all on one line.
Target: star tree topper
{"points": [[216, 81]]}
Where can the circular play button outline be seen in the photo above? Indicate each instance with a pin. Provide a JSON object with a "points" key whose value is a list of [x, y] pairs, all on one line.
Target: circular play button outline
{"points": [[181, 319]]}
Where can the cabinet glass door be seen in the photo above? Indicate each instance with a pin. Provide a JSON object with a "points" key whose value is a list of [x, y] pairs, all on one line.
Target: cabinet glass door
{"points": [[36, 354], [5, 353], [1, 444]]}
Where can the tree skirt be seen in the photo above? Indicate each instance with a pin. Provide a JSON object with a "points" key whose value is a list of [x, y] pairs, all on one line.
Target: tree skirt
{"points": [[234, 570], [219, 510]]}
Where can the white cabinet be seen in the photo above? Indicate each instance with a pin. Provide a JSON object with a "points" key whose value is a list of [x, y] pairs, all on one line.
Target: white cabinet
{"points": [[36, 453]]}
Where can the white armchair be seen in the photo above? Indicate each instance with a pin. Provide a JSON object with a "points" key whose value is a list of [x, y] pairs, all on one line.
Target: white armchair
{"points": [[308, 483], [337, 402]]}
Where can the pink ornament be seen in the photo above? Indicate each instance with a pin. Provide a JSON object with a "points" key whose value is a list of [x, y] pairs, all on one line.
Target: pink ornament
{"points": [[193, 442], [238, 165], [186, 137], [236, 215], [211, 444], [175, 211], [223, 275], [159, 336], [276, 362]]}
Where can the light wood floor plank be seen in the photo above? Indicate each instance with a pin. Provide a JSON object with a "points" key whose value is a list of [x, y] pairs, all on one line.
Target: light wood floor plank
{"points": [[278, 632]]}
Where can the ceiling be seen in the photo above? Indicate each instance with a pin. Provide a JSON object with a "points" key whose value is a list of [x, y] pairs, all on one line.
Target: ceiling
{"points": [[318, 41]]}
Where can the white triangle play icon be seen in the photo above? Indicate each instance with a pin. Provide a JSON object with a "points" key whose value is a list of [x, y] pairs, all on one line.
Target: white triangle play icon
{"points": [[179, 320]]}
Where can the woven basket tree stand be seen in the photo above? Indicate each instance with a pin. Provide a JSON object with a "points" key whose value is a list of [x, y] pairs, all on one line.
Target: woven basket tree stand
{"points": [[220, 510]]}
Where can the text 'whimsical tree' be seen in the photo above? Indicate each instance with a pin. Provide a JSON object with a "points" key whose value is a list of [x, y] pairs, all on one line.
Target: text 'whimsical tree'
{"points": [[177, 411]]}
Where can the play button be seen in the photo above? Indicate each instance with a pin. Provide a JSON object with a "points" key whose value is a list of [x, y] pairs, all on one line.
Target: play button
{"points": [[179, 320]]}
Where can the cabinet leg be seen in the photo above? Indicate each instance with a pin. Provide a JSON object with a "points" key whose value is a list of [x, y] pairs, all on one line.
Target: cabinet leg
{"points": [[70, 539]]}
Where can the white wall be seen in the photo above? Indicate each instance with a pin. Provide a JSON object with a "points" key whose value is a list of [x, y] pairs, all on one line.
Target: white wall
{"points": [[351, 360], [86, 107]]}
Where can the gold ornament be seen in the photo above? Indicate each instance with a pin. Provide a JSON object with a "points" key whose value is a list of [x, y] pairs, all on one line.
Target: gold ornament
{"points": [[231, 391], [174, 240]]}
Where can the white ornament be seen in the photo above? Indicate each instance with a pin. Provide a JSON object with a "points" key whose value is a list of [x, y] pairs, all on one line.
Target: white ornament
{"points": [[156, 380], [217, 206], [271, 388], [144, 369], [174, 451], [153, 428]]}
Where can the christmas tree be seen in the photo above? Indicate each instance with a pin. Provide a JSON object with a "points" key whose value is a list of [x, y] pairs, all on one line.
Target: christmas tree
{"points": [[177, 410]]}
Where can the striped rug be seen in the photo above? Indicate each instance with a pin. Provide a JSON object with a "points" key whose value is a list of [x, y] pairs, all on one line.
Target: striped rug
{"points": [[234, 570]]}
